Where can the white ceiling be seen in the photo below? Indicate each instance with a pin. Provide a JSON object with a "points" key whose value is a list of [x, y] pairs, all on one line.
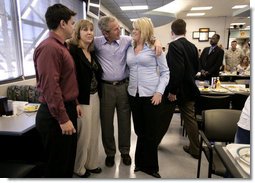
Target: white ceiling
{"points": [[221, 8]]}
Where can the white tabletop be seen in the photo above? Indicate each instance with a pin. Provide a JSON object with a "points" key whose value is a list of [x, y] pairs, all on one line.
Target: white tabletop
{"points": [[231, 150], [17, 124]]}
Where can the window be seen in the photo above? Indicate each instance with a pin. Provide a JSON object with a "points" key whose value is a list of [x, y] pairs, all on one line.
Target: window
{"points": [[19, 38], [34, 28], [10, 58], [93, 9]]}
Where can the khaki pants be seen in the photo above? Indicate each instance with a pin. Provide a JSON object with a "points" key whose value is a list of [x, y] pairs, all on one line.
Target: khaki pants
{"points": [[88, 130]]}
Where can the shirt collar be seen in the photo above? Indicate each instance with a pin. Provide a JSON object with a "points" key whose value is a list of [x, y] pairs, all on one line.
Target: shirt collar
{"points": [[104, 41], [178, 37], [214, 46], [55, 36]]}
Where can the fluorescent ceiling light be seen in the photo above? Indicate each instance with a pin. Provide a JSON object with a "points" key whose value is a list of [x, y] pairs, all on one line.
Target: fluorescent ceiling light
{"points": [[201, 8], [237, 23], [195, 14], [239, 6], [124, 8]]}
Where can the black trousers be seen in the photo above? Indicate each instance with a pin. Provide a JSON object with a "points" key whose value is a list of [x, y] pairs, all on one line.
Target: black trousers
{"points": [[150, 124], [60, 150]]}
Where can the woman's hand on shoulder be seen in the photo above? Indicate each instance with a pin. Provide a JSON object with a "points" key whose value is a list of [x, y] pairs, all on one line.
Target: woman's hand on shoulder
{"points": [[158, 47]]}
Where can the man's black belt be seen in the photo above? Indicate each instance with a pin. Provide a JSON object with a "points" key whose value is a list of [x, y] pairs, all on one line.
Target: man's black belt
{"points": [[115, 83]]}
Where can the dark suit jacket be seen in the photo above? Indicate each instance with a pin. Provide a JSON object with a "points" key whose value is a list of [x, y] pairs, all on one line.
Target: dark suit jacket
{"points": [[183, 62], [84, 73], [211, 62]]}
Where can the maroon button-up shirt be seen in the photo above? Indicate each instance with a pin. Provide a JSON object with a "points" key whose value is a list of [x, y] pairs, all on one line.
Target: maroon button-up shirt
{"points": [[55, 75]]}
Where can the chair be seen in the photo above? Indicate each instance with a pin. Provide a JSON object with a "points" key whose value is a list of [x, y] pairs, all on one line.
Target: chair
{"points": [[23, 93], [238, 101], [219, 126], [206, 102]]}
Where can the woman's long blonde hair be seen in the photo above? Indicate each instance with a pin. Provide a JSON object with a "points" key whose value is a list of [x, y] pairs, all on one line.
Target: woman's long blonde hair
{"points": [[145, 26], [76, 37]]}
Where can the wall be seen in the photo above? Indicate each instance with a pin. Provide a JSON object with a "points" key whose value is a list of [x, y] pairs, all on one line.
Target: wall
{"points": [[219, 24]]}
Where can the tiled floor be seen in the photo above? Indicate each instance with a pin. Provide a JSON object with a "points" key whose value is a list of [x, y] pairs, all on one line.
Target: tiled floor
{"points": [[174, 163]]}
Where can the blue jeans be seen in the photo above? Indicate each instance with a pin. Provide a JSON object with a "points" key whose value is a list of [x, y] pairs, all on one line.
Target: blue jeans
{"points": [[242, 136]]}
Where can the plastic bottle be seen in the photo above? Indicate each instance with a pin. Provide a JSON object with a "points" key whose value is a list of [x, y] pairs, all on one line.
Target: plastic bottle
{"points": [[218, 83]]}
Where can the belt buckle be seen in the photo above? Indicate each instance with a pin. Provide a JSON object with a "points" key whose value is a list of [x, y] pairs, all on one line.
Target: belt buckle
{"points": [[115, 83]]}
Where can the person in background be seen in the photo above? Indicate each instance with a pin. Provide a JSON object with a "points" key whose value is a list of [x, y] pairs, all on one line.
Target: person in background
{"points": [[111, 53], [244, 123], [146, 87], [56, 119], [182, 59], [211, 59], [88, 72], [233, 57], [246, 50], [244, 65]]}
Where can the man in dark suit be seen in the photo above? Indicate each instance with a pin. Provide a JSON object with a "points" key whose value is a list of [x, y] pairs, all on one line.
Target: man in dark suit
{"points": [[183, 62], [211, 59]]}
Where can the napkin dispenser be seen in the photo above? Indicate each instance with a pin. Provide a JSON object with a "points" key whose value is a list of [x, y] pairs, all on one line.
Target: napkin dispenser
{"points": [[3, 105]]}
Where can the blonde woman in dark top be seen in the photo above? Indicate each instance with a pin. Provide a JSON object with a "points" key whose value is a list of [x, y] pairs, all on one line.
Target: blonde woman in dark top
{"points": [[88, 73]]}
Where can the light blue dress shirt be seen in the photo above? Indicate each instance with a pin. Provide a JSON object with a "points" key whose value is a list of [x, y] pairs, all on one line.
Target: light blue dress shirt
{"points": [[112, 57], [148, 73]]}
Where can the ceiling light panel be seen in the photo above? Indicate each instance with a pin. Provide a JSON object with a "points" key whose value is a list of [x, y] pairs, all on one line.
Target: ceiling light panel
{"points": [[201, 8], [237, 23], [195, 14], [126, 8], [239, 6]]}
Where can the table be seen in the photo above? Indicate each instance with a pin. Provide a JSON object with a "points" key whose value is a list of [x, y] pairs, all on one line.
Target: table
{"points": [[227, 76], [227, 88], [231, 164], [19, 139], [17, 124]]}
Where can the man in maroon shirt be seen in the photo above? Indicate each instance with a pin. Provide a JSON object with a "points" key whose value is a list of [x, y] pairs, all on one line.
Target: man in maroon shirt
{"points": [[56, 118]]}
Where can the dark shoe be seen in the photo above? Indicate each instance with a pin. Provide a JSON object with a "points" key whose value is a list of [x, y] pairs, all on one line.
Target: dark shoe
{"points": [[86, 175], [96, 170], [126, 159], [109, 161], [186, 149], [155, 174]]}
